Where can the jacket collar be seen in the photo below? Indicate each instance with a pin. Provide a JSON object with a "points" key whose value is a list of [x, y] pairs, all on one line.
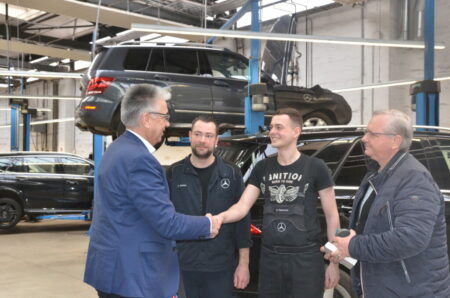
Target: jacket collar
{"points": [[219, 168], [376, 177]]}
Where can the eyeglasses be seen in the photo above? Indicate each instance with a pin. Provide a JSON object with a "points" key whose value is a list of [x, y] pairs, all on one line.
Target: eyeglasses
{"points": [[166, 116], [199, 135], [376, 134]]}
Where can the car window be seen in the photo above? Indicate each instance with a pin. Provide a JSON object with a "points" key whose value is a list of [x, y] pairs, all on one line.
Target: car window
{"points": [[227, 66], [439, 159], [156, 62], [44, 164], [182, 61], [354, 167], [76, 166], [311, 147], [418, 151], [333, 152], [6, 164], [136, 59]]}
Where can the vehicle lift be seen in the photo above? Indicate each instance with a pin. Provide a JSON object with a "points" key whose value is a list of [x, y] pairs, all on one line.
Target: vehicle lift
{"points": [[425, 93]]}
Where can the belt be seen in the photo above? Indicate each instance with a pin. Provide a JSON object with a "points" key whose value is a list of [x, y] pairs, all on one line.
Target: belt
{"points": [[293, 249]]}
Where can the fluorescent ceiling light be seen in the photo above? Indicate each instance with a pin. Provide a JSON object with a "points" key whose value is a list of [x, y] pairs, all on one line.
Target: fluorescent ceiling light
{"points": [[39, 60], [196, 31], [41, 74], [37, 109], [44, 122], [41, 97], [384, 85]]}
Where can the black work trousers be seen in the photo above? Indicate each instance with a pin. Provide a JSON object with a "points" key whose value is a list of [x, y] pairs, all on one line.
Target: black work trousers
{"points": [[291, 274], [208, 284]]}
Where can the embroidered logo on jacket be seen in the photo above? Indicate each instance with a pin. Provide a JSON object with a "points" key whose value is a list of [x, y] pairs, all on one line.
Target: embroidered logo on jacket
{"points": [[225, 183]]}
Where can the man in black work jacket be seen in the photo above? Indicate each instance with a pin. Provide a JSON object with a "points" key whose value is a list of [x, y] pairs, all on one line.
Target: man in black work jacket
{"points": [[203, 183]]}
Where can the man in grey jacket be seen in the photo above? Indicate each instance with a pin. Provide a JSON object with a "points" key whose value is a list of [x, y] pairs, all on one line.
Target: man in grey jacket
{"points": [[398, 223]]}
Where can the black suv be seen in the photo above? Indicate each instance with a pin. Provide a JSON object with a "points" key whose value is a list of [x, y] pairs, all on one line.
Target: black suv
{"points": [[202, 79], [343, 152], [41, 183]]}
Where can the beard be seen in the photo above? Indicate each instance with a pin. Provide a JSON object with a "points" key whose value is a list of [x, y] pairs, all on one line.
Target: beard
{"points": [[200, 155]]}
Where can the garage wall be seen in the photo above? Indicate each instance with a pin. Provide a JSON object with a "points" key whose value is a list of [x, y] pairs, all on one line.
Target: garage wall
{"points": [[63, 136], [338, 66]]}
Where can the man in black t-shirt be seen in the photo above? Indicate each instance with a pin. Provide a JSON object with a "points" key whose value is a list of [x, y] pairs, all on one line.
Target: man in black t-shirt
{"points": [[291, 263], [203, 183]]}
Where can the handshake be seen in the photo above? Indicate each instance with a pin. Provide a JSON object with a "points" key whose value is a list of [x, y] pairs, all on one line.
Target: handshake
{"points": [[216, 223]]}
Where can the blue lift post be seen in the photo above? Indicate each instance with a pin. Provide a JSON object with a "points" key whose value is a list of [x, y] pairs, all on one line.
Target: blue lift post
{"points": [[253, 120], [26, 121], [14, 146], [427, 91]]}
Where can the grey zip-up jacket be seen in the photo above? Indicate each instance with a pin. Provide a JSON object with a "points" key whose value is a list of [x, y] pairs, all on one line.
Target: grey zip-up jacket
{"points": [[403, 248]]}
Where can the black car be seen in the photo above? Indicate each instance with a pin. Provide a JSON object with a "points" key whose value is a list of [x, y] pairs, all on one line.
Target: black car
{"points": [[203, 80], [41, 183], [342, 151]]}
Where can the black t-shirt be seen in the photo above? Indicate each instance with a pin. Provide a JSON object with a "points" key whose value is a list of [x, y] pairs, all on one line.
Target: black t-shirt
{"points": [[293, 189], [203, 175]]}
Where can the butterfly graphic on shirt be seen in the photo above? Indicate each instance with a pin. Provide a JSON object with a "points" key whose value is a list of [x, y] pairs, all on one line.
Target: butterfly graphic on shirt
{"points": [[282, 193]]}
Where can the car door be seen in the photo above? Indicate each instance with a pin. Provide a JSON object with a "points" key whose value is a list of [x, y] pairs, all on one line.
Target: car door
{"points": [[78, 182], [229, 83], [41, 184], [191, 93]]}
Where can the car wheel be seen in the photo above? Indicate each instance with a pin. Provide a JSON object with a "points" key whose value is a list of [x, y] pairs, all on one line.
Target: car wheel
{"points": [[10, 213], [317, 119]]}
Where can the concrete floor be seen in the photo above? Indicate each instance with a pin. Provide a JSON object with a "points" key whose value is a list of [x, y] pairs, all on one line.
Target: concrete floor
{"points": [[44, 260]]}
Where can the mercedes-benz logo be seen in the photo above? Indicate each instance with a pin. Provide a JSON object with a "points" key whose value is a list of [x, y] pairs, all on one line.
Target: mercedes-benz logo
{"points": [[281, 227], [225, 183]]}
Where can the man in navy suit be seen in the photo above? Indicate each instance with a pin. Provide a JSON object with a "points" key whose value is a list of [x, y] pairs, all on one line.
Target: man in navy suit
{"points": [[132, 249]]}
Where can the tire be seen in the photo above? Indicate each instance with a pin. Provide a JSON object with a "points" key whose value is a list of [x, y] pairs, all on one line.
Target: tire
{"points": [[317, 119], [10, 213], [120, 130]]}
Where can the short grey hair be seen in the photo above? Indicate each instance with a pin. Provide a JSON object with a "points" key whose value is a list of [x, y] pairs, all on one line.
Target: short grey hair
{"points": [[399, 124], [140, 99]]}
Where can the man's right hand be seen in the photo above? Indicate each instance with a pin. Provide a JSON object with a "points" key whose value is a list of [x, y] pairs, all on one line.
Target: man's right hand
{"points": [[216, 223]]}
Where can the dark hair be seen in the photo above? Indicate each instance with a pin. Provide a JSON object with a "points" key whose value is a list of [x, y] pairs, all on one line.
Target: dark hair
{"points": [[207, 119], [292, 113]]}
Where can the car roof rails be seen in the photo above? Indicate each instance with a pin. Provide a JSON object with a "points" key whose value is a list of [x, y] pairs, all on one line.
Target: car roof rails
{"points": [[181, 44], [350, 130]]}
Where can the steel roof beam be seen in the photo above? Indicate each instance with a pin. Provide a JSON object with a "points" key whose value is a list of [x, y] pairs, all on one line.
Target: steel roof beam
{"points": [[43, 50]]}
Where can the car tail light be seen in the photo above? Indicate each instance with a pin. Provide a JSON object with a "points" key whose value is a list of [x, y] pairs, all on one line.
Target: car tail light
{"points": [[98, 85], [254, 230]]}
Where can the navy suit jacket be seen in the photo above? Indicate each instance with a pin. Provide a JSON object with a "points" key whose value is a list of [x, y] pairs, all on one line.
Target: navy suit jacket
{"points": [[132, 248]]}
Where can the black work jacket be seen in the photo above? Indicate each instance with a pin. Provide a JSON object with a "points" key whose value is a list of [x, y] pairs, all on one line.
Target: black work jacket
{"points": [[225, 189]]}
